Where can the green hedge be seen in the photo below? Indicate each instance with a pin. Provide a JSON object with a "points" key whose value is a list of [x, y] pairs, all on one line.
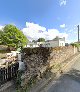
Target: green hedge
{"points": [[75, 44]]}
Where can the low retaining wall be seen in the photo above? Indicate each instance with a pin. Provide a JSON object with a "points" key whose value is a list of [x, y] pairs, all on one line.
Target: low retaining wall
{"points": [[37, 60]]}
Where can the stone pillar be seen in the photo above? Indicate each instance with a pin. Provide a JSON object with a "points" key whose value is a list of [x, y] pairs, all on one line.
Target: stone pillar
{"points": [[19, 56]]}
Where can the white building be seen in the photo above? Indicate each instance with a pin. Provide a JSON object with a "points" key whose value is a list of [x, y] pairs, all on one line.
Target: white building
{"points": [[32, 44], [35, 44], [55, 42], [49, 43]]}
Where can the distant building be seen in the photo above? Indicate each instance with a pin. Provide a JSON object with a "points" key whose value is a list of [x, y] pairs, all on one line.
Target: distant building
{"points": [[32, 44], [55, 42], [49, 43]]}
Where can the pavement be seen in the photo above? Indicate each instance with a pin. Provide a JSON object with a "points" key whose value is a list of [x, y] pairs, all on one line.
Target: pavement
{"points": [[67, 82]]}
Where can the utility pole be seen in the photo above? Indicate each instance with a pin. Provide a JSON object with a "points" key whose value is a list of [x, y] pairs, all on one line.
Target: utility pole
{"points": [[78, 33]]}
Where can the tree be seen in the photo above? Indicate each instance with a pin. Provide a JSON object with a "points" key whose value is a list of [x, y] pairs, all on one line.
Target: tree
{"points": [[12, 36], [41, 40], [34, 41], [1, 32]]}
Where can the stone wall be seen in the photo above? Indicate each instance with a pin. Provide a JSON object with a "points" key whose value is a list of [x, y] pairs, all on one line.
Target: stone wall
{"points": [[60, 54], [37, 60]]}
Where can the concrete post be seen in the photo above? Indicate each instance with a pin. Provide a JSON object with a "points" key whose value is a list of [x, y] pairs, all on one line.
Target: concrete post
{"points": [[21, 63]]}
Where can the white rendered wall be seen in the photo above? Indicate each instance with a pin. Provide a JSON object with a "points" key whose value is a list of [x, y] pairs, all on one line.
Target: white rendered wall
{"points": [[61, 43], [51, 44]]}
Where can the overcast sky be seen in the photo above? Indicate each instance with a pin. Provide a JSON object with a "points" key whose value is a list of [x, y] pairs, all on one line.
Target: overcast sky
{"points": [[42, 18]]}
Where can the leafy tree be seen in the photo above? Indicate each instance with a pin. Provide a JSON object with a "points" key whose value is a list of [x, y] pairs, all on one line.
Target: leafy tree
{"points": [[34, 41], [1, 32], [41, 40], [12, 36]]}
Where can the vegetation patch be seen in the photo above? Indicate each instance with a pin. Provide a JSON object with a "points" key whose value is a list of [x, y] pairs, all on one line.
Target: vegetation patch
{"points": [[27, 86], [76, 44], [11, 36]]}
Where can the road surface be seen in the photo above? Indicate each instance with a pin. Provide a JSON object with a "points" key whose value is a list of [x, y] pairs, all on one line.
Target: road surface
{"points": [[69, 82]]}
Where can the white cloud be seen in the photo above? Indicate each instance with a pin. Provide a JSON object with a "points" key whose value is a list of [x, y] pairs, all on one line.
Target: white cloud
{"points": [[35, 31], [63, 35], [36, 27], [1, 27], [70, 41], [62, 2], [62, 26]]}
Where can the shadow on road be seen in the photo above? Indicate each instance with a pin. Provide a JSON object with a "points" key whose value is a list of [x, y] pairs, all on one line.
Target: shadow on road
{"points": [[69, 82], [74, 74]]}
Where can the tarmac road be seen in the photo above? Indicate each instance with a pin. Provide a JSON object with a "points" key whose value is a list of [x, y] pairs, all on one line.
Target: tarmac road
{"points": [[69, 82]]}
